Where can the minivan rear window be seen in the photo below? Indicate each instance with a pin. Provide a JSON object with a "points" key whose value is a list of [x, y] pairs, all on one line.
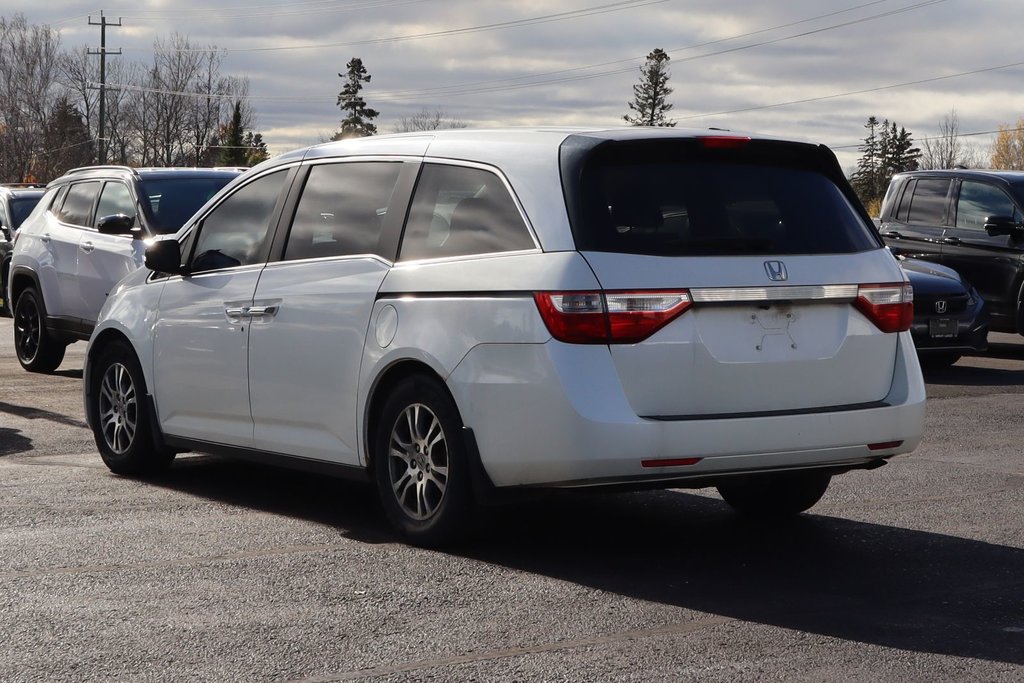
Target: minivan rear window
{"points": [[707, 206]]}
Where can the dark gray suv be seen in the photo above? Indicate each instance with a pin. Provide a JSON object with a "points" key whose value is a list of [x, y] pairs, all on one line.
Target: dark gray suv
{"points": [[969, 220]]}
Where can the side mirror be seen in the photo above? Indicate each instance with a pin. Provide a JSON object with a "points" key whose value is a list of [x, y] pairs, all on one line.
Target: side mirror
{"points": [[164, 256], [1001, 225], [117, 224]]}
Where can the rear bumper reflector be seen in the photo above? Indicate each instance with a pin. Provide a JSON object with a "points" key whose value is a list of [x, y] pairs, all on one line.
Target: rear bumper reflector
{"points": [[884, 445], [670, 462]]}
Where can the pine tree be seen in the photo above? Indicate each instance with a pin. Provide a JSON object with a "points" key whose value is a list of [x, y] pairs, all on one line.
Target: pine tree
{"points": [[864, 179], [649, 106], [255, 148], [358, 122], [232, 152]]}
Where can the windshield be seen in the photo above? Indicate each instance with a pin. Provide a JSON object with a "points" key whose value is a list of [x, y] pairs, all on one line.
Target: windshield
{"points": [[174, 200], [21, 207]]}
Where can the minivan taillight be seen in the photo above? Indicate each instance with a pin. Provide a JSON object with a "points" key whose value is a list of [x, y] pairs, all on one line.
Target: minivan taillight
{"points": [[609, 317], [889, 306]]}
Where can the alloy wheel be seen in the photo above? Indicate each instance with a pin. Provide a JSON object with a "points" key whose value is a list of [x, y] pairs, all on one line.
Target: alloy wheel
{"points": [[118, 408], [418, 461]]}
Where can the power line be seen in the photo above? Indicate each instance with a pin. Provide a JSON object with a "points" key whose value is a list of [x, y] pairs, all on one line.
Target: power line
{"points": [[943, 137], [853, 92], [530, 21]]}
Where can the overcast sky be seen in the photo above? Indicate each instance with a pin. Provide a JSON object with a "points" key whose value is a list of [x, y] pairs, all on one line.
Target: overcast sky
{"points": [[809, 69]]}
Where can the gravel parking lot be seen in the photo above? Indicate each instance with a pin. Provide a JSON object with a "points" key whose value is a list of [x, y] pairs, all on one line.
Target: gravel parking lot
{"points": [[224, 571]]}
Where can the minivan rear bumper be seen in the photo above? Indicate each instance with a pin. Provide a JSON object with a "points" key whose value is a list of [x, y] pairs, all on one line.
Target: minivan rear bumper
{"points": [[555, 414]]}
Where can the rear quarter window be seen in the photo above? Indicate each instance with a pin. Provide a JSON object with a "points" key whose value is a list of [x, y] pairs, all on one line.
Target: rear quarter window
{"points": [[77, 205], [698, 207], [458, 211]]}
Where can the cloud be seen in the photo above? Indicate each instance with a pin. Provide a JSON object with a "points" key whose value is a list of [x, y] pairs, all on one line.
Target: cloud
{"points": [[756, 59]]}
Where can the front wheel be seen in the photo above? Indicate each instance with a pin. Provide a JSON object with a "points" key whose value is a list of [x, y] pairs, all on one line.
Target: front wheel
{"points": [[37, 349], [420, 463], [775, 495], [120, 414]]}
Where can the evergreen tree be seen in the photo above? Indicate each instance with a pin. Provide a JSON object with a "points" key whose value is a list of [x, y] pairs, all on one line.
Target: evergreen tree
{"points": [[233, 152], [649, 106], [358, 122], [255, 148], [864, 179], [67, 142], [887, 149]]}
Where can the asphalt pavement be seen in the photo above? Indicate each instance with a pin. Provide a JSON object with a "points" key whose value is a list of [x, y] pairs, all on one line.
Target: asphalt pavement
{"points": [[224, 571]]}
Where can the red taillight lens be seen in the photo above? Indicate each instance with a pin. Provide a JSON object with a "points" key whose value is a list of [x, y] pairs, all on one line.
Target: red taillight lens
{"points": [[609, 317], [889, 306]]}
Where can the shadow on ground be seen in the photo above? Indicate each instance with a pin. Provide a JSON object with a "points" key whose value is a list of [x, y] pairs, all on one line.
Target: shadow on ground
{"points": [[869, 583], [12, 441]]}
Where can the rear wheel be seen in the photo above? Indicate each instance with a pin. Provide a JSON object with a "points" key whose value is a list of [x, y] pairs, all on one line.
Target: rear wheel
{"points": [[420, 463], [775, 495], [37, 349], [120, 414]]}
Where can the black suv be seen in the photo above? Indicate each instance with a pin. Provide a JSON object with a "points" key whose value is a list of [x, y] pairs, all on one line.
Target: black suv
{"points": [[969, 220], [86, 235], [16, 202]]}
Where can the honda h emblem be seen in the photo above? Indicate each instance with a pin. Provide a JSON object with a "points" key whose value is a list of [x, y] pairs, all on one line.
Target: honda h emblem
{"points": [[940, 306], [776, 271]]}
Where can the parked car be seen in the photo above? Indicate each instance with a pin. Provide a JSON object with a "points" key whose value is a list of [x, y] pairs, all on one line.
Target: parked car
{"points": [[451, 313], [950, 317], [967, 220], [16, 202], [87, 235]]}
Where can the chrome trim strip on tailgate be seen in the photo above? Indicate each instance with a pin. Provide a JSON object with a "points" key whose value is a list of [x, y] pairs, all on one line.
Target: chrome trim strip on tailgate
{"points": [[720, 295]]}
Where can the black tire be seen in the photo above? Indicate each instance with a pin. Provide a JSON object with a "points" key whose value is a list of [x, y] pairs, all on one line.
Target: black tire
{"points": [[775, 495], [938, 361], [6, 309], [420, 464], [37, 349], [121, 423]]}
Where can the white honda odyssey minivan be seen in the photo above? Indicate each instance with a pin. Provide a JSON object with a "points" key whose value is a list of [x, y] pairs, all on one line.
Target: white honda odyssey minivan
{"points": [[452, 313]]}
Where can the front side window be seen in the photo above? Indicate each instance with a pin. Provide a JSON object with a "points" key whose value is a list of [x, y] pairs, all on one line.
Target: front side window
{"points": [[978, 201], [78, 202], [342, 210], [928, 205], [115, 198], [457, 211], [236, 232]]}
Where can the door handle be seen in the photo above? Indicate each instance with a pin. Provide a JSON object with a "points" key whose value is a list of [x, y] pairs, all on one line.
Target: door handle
{"points": [[951, 240], [87, 247], [262, 311], [894, 235], [235, 312], [45, 237]]}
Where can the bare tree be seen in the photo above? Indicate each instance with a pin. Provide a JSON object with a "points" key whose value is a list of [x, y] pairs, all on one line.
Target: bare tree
{"points": [[425, 119], [947, 149], [29, 89]]}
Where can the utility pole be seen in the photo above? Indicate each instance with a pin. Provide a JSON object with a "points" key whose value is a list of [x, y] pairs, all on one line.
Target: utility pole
{"points": [[102, 52]]}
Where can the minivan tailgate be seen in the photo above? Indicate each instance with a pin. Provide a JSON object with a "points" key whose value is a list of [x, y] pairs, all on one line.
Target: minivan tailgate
{"points": [[752, 346]]}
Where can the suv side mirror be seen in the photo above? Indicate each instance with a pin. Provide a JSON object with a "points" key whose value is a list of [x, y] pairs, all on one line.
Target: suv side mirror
{"points": [[164, 256], [1001, 225], [117, 224]]}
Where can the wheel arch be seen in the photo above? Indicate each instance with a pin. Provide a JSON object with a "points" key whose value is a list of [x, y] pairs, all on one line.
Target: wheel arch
{"points": [[97, 345], [21, 279], [382, 388]]}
